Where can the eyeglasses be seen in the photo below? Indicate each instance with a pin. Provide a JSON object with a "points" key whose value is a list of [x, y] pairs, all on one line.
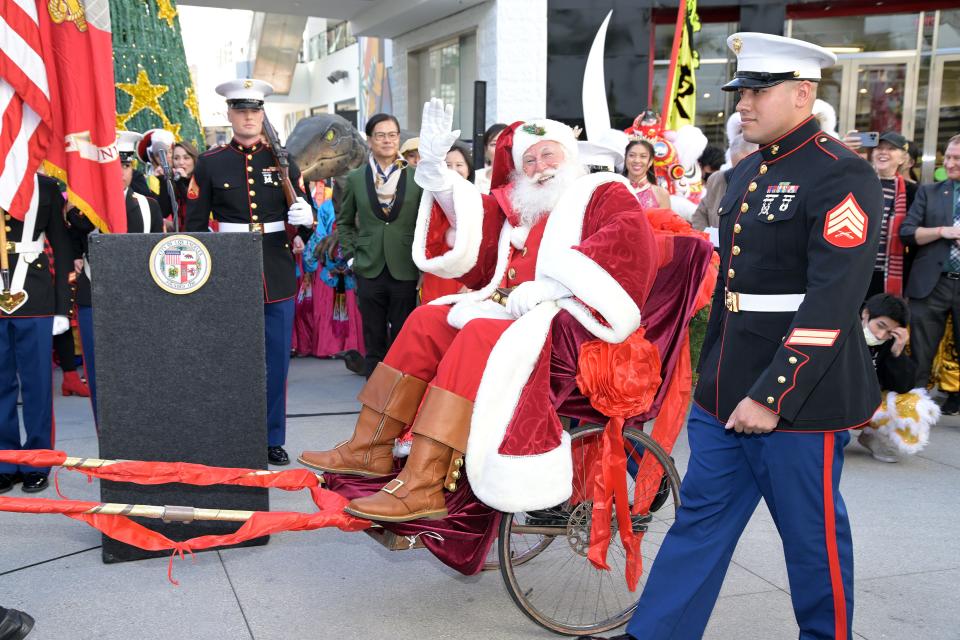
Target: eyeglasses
{"points": [[381, 136]]}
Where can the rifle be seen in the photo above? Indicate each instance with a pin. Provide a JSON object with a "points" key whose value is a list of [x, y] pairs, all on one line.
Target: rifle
{"points": [[282, 158]]}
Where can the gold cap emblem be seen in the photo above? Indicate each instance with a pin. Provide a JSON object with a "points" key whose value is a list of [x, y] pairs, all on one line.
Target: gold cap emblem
{"points": [[736, 44], [247, 84]]}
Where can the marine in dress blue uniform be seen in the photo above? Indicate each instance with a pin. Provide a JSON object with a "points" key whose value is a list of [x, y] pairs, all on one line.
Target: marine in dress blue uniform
{"points": [[239, 183], [143, 216], [26, 333], [785, 372]]}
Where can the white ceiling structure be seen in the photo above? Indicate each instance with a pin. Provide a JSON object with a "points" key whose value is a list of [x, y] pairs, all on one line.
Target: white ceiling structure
{"points": [[379, 18]]}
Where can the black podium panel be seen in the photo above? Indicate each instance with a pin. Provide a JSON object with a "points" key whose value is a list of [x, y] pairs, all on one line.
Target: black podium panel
{"points": [[180, 377]]}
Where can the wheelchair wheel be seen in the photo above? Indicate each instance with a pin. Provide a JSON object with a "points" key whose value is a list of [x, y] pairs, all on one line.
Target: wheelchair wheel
{"points": [[543, 554]]}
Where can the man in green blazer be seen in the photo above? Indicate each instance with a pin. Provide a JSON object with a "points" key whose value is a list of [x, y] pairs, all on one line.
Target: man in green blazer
{"points": [[375, 223]]}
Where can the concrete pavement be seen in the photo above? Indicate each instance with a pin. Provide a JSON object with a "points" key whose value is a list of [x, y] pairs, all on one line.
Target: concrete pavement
{"points": [[329, 584]]}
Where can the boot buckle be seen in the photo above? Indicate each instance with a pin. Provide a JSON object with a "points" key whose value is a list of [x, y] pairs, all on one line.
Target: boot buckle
{"points": [[392, 486]]}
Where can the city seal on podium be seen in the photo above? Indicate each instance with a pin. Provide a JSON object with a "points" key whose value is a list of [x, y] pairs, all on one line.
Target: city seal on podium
{"points": [[180, 264]]}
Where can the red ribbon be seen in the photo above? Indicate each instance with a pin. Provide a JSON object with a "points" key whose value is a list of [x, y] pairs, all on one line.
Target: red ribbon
{"points": [[329, 504]]}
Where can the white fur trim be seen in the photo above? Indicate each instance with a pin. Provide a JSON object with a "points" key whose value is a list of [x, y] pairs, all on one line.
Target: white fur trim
{"points": [[683, 207], [514, 483], [555, 131], [586, 279], [463, 254], [467, 310], [518, 237], [734, 126], [689, 142], [503, 254], [907, 435], [826, 116]]}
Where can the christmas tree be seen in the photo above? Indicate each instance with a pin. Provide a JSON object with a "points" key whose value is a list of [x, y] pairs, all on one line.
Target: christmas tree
{"points": [[154, 88]]}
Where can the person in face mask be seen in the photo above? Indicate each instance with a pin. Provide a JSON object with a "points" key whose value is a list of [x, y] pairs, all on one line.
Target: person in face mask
{"points": [[902, 423]]}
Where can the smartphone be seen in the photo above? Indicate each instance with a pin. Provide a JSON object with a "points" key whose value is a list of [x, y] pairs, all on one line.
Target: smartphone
{"points": [[869, 138]]}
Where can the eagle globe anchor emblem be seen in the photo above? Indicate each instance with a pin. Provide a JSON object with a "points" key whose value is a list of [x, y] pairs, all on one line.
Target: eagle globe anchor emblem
{"points": [[68, 11]]}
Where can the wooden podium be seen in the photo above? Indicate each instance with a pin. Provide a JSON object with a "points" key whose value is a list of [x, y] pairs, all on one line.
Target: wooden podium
{"points": [[181, 373]]}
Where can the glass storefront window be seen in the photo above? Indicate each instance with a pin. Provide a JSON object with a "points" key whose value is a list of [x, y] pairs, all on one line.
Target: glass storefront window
{"points": [[448, 72], [949, 32], [854, 34], [710, 41]]}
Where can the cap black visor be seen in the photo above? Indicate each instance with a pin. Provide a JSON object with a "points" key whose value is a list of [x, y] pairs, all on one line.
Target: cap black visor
{"points": [[759, 80], [245, 104]]}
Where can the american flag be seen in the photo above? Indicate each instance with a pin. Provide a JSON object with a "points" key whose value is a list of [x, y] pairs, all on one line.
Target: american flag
{"points": [[57, 106], [171, 257], [24, 103]]}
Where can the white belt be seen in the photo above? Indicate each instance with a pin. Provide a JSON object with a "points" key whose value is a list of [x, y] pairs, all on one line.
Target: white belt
{"points": [[737, 302], [265, 227], [34, 246]]}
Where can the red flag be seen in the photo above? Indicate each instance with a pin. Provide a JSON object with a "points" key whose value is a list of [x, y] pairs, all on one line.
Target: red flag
{"points": [[57, 96]]}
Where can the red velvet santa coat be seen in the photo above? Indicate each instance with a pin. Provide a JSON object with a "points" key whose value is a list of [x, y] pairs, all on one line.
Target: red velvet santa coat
{"points": [[598, 243]]}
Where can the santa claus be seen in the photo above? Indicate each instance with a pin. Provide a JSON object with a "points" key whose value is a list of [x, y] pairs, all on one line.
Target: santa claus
{"points": [[550, 248]]}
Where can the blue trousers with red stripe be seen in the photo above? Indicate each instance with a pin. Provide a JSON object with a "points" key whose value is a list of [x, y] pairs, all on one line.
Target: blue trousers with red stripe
{"points": [[85, 323], [278, 334], [26, 368], [798, 476]]}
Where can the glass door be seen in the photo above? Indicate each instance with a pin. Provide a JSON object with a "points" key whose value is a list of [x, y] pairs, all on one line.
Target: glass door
{"points": [[943, 111], [877, 92]]}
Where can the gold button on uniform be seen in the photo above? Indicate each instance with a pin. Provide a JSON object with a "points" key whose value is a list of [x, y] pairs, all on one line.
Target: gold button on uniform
{"points": [[792, 360], [769, 399], [250, 180], [7, 227], [731, 273], [253, 205], [254, 217], [744, 207], [821, 140], [763, 169], [6, 217], [226, 185], [249, 157], [753, 186], [774, 149], [781, 380], [249, 168], [770, 216], [737, 228], [512, 273], [252, 192], [736, 250]]}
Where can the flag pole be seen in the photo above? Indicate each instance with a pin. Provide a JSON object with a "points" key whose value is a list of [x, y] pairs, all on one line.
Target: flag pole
{"points": [[674, 54]]}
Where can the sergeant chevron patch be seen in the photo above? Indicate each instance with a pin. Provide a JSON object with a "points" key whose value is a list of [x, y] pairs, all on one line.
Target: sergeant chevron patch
{"points": [[813, 337], [846, 224]]}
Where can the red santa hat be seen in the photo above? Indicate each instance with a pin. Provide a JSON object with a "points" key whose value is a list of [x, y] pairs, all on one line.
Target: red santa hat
{"points": [[520, 136]]}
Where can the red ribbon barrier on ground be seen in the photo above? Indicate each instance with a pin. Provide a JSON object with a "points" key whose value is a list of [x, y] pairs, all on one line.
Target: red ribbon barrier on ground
{"points": [[122, 528]]}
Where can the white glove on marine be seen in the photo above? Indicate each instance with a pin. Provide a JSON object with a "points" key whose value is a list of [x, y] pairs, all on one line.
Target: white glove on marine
{"points": [[527, 295], [436, 138], [60, 325], [300, 214]]}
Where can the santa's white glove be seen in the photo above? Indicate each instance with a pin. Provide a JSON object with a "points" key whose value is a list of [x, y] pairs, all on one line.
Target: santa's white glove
{"points": [[300, 213], [436, 138], [60, 324], [527, 295]]}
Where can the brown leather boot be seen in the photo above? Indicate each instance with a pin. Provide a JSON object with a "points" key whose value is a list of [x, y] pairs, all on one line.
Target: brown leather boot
{"points": [[435, 463], [390, 400]]}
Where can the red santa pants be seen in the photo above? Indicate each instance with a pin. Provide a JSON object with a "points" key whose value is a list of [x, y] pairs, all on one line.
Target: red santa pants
{"points": [[452, 359]]}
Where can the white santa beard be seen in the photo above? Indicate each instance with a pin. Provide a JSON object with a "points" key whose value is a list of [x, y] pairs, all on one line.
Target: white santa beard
{"points": [[532, 200]]}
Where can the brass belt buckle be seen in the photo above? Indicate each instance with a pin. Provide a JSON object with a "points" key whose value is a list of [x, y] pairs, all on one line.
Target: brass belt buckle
{"points": [[256, 227], [11, 247], [733, 301]]}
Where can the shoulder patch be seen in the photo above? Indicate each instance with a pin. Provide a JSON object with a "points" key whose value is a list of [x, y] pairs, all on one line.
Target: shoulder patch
{"points": [[845, 225]]}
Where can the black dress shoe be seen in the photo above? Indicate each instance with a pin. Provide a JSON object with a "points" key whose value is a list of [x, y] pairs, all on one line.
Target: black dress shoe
{"points": [[355, 361], [7, 480], [34, 482], [951, 406], [14, 625], [276, 455]]}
